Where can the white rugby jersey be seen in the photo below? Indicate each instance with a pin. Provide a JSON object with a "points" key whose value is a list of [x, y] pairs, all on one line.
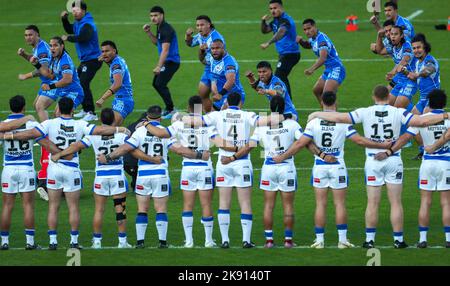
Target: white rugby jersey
{"points": [[18, 152], [233, 125], [194, 138], [329, 136], [277, 140], [63, 132], [106, 144], [150, 145], [431, 134], [381, 122]]}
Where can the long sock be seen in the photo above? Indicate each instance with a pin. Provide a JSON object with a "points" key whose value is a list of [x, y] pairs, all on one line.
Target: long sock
{"points": [[141, 226], [268, 233], [161, 225], [122, 237], [398, 236], [246, 223], [423, 233], [5, 237], [447, 233], [224, 224], [288, 234], [53, 234], [29, 234], [97, 237], [74, 236], [320, 231], [208, 223], [188, 221], [370, 233], [342, 232]]}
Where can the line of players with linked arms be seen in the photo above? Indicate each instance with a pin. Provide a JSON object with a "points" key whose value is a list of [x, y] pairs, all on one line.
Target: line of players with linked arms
{"points": [[191, 135], [393, 42]]}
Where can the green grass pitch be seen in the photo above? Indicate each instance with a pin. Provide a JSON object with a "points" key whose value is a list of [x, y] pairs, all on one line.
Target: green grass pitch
{"points": [[238, 21]]}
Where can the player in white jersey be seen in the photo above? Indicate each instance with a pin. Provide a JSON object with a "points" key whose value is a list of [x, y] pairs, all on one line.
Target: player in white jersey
{"points": [[234, 126], [65, 176], [278, 177], [438, 143], [382, 122], [153, 179], [434, 174], [196, 174], [18, 175], [110, 180], [329, 138]]}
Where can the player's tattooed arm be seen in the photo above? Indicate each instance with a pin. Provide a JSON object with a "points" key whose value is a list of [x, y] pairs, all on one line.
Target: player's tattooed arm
{"points": [[366, 142], [138, 154], [119, 152], [265, 27], [156, 131], [438, 143], [424, 121], [21, 52], [402, 140], [337, 117], [239, 154], [202, 53], [302, 42], [189, 153], [109, 130], [58, 154], [295, 148], [14, 124], [312, 147], [251, 79], [188, 38], [379, 45]]}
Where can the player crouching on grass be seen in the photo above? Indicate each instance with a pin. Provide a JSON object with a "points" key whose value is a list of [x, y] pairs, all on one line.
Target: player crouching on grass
{"points": [[110, 180]]}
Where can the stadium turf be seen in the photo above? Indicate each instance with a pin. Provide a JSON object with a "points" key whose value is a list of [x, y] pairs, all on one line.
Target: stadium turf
{"points": [[238, 21]]}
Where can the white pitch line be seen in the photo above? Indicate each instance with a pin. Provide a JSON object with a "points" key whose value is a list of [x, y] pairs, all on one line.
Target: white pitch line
{"points": [[231, 247], [414, 15], [219, 22]]}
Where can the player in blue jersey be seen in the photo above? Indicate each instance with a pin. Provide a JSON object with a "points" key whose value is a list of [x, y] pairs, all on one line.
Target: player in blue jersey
{"points": [[40, 59], [391, 13], [401, 94], [120, 79], [204, 38], [285, 33], [383, 45], [169, 57], [67, 83], [270, 85], [426, 71], [334, 73], [225, 75]]}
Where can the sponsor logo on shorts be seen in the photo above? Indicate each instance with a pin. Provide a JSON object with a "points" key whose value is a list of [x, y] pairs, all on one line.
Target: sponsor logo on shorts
{"points": [[32, 182], [399, 175], [77, 182], [184, 182], [371, 178], [220, 179], [51, 182], [265, 183], [342, 179], [121, 184], [208, 180], [5, 185], [246, 178], [97, 186], [424, 182], [291, 182], [164, 188], [139, 187], [316, 180], [448, 180]]}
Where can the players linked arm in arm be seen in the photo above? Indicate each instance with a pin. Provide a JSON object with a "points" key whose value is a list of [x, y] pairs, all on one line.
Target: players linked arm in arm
{"points": [[441, 141]]}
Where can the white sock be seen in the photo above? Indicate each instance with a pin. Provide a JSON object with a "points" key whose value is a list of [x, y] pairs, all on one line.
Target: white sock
{"points": [[141, 225], [224, 224], [423, 233], [208, 224], [447, 233], [188, 221], [122, 237], [246, 223], [342, 232], [52, 234], [161, 225], [29, 234], [320, 234], [398, 236], [5, 237], [74, 236], [97, 237], [370, 234]]}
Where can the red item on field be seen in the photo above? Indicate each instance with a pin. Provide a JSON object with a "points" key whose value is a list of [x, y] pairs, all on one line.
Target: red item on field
{"points": [[352, 23]]}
